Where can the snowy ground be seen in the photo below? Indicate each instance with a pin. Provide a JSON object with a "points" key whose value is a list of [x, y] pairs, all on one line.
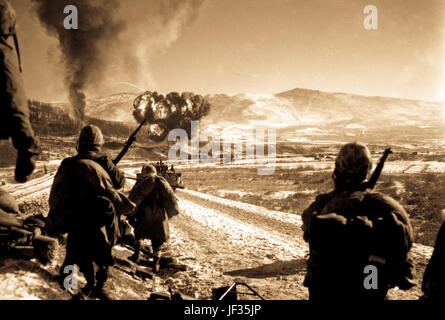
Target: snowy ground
{"points": [[399, 166], [219, 240]]}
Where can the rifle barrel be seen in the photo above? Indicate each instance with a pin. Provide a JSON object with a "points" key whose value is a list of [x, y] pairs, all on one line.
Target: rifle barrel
{"points": [[378, 170], [129, 142], [138, 128]]}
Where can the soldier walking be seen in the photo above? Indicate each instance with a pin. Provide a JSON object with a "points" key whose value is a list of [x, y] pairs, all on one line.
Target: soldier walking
{"points": [[88, 214], [155, 205], [353, 231], [14, 112]]}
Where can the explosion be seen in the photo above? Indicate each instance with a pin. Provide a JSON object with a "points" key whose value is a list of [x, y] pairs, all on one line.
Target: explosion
{"points": [[174, 111], [113, 40]]}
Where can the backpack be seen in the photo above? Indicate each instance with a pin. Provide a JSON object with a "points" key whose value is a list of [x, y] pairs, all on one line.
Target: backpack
{"points": [[81, 185], [156, 187], [359, 228], [167, 197]]}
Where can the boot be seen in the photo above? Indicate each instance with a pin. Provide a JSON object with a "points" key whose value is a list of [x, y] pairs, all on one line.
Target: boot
{"points": [[87, 268], [98, 290], [87, 290], [156, 264], [99, 293], [157, 251], [25, 165], [137, 249]]}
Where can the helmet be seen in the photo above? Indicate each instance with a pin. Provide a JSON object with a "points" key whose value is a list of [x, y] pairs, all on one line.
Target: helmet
{"points": [[353, 163], [148, 169], [91, 135], [7, 19]]}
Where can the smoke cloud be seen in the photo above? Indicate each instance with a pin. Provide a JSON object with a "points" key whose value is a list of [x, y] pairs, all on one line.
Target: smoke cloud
{"points": [[115, 40], [164, 114]]}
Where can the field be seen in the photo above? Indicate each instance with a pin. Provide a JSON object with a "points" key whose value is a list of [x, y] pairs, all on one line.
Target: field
{"points": [[234, 226], [291, 190]]}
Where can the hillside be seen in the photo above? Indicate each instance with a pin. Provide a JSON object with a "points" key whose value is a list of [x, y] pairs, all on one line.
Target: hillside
{"points": [[309, 116], [302, 115], [306, 122]]}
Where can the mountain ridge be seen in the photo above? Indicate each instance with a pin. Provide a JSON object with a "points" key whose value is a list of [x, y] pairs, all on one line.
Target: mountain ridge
{"points": [[332, 116]]}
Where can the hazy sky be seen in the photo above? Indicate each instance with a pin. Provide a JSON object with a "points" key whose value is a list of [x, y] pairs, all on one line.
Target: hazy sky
{"points": [[269, 46]]}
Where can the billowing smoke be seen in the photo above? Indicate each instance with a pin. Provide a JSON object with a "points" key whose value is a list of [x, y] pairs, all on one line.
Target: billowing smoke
{"points": [[174, 111], [81, 48], [114, 41]]}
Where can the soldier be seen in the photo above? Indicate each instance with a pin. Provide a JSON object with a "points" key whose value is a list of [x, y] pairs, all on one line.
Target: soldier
{"points": [[354, 232], [14, 117], [92, 222], [433, 285], [156, 204]]}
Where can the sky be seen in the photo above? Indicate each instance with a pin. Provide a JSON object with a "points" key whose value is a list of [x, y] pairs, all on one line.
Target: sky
{"points": [[264, 47]]}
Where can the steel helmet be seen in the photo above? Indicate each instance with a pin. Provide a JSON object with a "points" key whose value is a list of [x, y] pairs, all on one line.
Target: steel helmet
{"points": [[353, 163], [148, 169], [91, 135]]}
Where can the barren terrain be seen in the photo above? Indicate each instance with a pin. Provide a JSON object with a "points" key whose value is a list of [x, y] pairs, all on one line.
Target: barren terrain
{"points": [[215, 240]]}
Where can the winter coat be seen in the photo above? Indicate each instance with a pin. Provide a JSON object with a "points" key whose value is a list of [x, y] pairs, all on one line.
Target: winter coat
{"points": [[14, 112], [433, 285], [156, 203], [117, 177], [348, 230], [81, 202]]}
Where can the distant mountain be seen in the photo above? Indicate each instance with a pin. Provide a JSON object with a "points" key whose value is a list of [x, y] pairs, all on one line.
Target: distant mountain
{"points": [[302, 115], [117, 107]]}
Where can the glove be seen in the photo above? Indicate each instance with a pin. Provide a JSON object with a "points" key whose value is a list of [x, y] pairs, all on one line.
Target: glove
{"points": [[25, 165]]}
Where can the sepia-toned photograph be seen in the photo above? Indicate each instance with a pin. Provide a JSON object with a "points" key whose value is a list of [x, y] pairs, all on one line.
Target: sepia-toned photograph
{"points": [[223, 150]]}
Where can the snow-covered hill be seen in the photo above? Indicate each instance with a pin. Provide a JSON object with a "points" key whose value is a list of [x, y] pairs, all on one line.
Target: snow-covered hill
{"points": [[302, 115]]}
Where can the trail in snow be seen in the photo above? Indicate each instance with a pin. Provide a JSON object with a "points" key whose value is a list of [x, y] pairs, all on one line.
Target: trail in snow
{"points": [[252, 240], [288, 227], [248, 208]]}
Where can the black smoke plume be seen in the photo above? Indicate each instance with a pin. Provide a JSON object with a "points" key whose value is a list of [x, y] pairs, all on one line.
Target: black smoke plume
{"points": [[115, 40], [81, 48], [174, 111]]}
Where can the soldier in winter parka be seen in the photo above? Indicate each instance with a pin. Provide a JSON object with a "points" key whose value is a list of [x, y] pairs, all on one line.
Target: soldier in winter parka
{"points": [[14, 112], [433, 285], [353, 231], [156, 204], [82, 204]]}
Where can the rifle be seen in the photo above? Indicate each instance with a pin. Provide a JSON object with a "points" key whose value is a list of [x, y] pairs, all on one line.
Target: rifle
{"points": [[378, 170], [16, 43], [128, 143]]}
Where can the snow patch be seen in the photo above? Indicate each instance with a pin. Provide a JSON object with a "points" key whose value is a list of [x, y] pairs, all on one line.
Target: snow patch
{"points": [[250, 208], [254, 240]]}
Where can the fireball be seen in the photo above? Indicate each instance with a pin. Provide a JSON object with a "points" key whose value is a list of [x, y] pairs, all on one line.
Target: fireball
{"points": [[157, 132], [160, 111], [140, 104], [165, 113], [142, 107]]}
